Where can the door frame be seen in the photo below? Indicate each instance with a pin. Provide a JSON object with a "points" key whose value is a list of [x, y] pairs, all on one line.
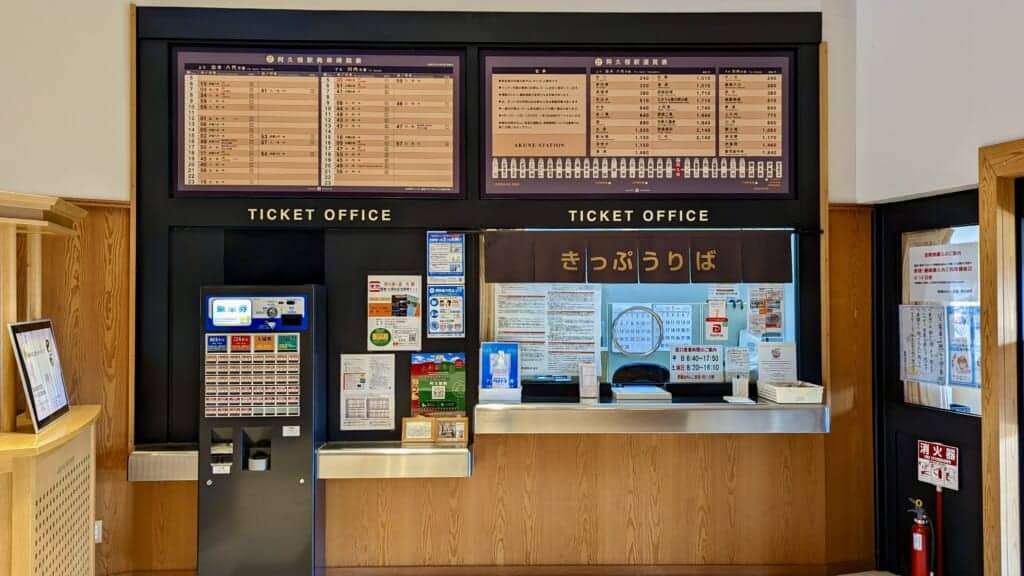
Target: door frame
{"points": [[999, 166]]}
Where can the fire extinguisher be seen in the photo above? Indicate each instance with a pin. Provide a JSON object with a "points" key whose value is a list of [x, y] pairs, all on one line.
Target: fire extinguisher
{"points": [[922, 541]]}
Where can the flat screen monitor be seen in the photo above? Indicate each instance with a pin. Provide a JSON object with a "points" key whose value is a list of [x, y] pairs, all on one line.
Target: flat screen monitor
{"points": [[637, 124], [35, 348], [317, 123]]}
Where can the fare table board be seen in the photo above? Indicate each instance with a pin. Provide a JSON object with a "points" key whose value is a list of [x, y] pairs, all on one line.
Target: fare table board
{"points": [[642, 123], [318, 122]]}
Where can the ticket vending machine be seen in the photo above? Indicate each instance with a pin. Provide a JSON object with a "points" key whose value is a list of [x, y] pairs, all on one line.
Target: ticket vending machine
{"points": [[262, 418]]}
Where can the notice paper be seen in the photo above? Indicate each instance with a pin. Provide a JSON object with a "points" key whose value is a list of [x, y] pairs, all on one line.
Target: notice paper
{"points": [[393, 313], [367, 391], [765, 311], [696, 364], [923, 344], [446, 311], [446, 258], [944, 273], [776, 362], [557, 326]]}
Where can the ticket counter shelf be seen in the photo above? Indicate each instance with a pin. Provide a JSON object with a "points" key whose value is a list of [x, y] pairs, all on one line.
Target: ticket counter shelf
{"points": [[352, 460], [163, 463], [48, 495], [336, 460], [761, 417]]}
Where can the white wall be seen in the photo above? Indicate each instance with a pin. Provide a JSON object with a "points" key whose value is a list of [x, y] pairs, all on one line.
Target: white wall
{"points": [[64, 102], [936, 79]]}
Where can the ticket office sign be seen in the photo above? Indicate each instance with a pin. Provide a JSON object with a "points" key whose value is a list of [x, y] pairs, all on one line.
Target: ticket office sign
{"points": [[636, 124], [317, 121]]}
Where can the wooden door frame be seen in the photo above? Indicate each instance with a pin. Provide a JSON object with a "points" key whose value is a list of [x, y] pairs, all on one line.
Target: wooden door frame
{"points": [[998, 166]]}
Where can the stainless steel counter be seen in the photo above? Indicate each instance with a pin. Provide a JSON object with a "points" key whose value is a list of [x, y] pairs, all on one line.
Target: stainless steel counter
{"points": [[336, 460], [166, 463], [348, 460], [762, 417]]}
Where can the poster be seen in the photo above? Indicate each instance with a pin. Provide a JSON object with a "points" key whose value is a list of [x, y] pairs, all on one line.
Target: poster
{"points": [[393, 316], [716, 324], [923, 344], [696, 364], [636, 331], [446, 311], [367, 391], [557, 326], [765, 311], [737, 362], [438, 385], [776, 362], [500, 372], [964, 346], [446, 258], [944, 273], [677, 321]]}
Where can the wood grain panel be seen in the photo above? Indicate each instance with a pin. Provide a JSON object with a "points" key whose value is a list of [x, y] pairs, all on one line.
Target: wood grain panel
{"points": [[85, 291], [998, 167], [612, 500], [849, 448]]}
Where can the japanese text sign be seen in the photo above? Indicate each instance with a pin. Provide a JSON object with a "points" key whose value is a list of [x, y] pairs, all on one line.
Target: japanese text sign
{"points": [[938, 464]]}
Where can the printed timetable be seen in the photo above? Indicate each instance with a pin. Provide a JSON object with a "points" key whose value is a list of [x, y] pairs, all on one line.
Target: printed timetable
{"points": [[323, 122], [653, 124]]}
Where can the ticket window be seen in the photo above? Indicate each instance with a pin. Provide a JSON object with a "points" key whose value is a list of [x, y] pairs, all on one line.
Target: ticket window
{"points": [[640, 324]]}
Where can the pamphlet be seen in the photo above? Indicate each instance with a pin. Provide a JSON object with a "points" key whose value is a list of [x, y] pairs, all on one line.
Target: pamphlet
{"points": [[776, 363], [367, 391], [393, 316], [438, 384]]}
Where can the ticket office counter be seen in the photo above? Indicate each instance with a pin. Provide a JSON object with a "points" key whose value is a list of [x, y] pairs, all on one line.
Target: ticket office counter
{"points": [[635, 332]]}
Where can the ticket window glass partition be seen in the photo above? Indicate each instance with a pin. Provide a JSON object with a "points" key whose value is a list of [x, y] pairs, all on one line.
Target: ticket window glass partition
{"points": [[940, 319], [644, 331]]}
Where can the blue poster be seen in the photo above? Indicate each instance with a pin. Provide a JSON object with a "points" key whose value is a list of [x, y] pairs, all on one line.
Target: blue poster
{"points": [[446, 258], [499, 365], [446, 311]]}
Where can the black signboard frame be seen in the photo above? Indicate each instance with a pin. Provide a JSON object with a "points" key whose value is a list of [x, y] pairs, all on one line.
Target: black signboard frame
{"points": [[183, 242]]}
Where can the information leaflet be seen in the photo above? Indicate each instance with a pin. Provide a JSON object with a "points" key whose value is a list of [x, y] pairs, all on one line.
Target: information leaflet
{"points": [[393, 313], [367, 392]]}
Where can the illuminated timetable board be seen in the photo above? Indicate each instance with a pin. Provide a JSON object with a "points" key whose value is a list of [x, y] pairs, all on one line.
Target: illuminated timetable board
{"points": [[317, 122], [637, 124]]}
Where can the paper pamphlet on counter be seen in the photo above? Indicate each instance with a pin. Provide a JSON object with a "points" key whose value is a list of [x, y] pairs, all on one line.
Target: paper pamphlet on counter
{"points": [[393, 313], [500, 372], [367, 391], [776, 363], [557, 326]]}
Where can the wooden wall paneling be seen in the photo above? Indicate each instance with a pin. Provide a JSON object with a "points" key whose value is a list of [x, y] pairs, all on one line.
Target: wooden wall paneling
{"points": [[8, 314], [608, 500], [85, 290], [998, 167], [6, 537], [849, 449]]}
